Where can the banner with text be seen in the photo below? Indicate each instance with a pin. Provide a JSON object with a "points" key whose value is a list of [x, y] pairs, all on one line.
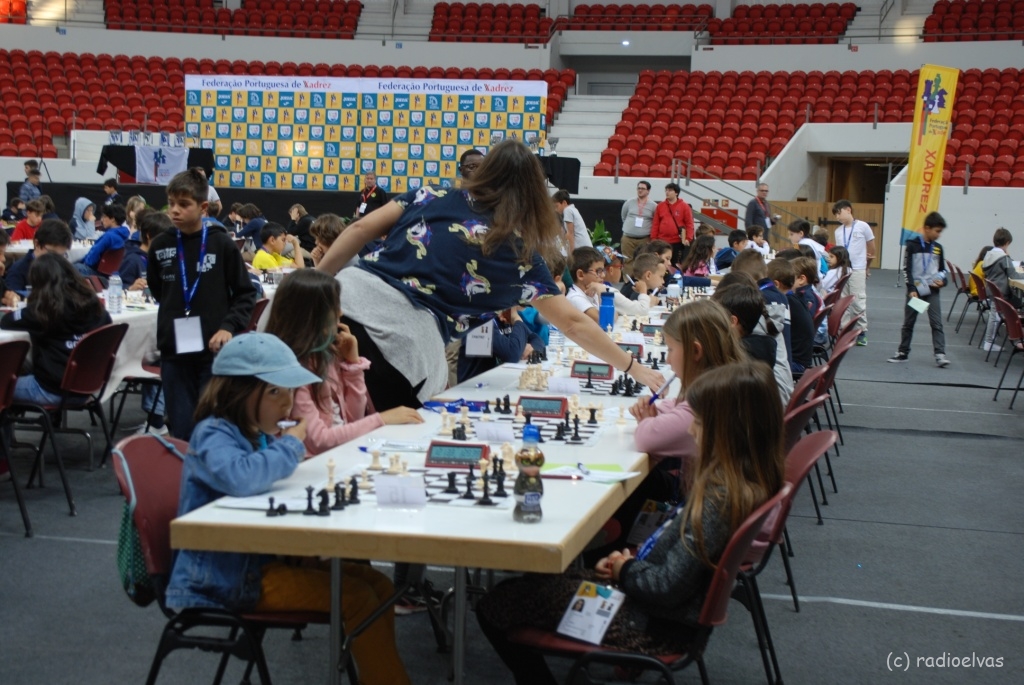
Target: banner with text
{"points": [[306, 133], [932, 115]]}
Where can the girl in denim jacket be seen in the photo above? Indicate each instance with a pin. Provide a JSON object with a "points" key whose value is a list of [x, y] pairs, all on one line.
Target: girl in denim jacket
{"points": [[233, 452]]}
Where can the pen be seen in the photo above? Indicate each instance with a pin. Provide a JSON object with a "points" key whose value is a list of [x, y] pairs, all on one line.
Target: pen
{"points": [[663, 388], [582, 469]]}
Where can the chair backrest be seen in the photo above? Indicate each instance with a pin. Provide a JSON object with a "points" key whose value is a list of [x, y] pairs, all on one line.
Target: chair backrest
{"points": [[110, 261], [993, 289], [96, 283], [841, 283], [828, 379], [849, 326], [12, 356], [149, 475], [257, 313], [716, 602], [820, 316], [801, 457], [805, 386], [796, 420], [835, 319], [1014, 329], [979, 285], [92, 360], [958, 277]]}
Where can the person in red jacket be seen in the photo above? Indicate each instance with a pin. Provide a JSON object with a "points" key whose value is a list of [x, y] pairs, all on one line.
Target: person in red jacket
{"points": [[673, 223]]}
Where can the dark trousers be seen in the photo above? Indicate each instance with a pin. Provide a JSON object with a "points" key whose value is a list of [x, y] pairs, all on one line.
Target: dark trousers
{"points": [[527, 666], [184, 379], [934, 320], [387, 387]]}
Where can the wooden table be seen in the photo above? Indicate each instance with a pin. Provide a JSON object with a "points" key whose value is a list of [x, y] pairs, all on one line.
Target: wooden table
{"points": [[1017, 283], [441, 534]]}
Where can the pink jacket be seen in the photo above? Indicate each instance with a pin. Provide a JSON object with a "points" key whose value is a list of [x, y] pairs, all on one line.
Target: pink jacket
{"points": [[668, 433], [346, 405]]}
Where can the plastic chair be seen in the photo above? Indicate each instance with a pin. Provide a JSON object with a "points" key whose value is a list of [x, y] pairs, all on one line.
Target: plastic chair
{"points": [[962, 286], [799, 460], [110, 262], [713, 613], [85, 378], [827, 382], [257, 313], [133, 385], [796, 423], [1015, 335], [983, 306], [148, 470], [12, 356]]}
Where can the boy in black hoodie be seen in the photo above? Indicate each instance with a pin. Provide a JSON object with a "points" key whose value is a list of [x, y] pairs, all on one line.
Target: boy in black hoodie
{"points": [[198, 316], [925, 269]]}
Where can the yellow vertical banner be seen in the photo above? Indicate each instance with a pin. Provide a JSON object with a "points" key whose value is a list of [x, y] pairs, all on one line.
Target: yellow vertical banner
{"points": [[933, 112]]}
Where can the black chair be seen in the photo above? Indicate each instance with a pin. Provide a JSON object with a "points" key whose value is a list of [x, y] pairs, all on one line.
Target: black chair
{"points": [[12, 356]]}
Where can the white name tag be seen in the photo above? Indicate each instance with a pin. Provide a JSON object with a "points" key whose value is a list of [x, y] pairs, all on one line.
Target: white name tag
{"points": [[590, 612], [188, 335], [480, 341], [639, 222], [362, 208]]}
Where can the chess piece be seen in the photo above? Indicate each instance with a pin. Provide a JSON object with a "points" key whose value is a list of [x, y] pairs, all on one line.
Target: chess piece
{"points": [[592, 421], [325, 503], [500, 480], [649, 357], [405, 468], [527, 418], [468, 494], [271, 510], [576, 431], [506, 409], [663, 356], [633, 326], [364, 483], [339, 497], [600, 414], [375, 464], [617, 337], [487, 407], [654, 365], [559, 432], [444, 420], [353, 490], [590, 379], [464, 418], [658, 339], [310, 511], [621, 421], [485, 499], [452, 488], [330, 474], [519, 418], [497, 405]]}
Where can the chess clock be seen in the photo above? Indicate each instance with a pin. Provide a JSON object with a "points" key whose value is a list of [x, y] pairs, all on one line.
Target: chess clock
{"points": [[635, 349], [544, 407], [455, 455], [649, 329], [598, 371]]}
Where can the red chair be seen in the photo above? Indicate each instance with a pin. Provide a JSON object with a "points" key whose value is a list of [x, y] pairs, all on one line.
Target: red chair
{"points": [[110, 262], [962, 286], [1015, 336], [827, 384], [797, 422], [257, 314], [12, 356], [713, 613]]}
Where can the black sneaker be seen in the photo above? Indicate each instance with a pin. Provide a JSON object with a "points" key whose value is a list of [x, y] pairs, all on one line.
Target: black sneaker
{"points": [[414, 602], [898, 358]]}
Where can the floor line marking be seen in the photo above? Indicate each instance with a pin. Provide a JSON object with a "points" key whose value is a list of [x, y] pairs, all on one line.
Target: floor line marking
{"points": [[899, 607], [952, 411], [59, 538]]}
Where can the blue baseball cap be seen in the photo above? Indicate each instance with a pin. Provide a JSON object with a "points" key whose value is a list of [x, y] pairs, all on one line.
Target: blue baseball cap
{"points": [[262, 355]]}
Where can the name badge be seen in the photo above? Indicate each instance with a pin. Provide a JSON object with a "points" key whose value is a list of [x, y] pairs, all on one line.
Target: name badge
{"points": [[362, 208], [768, 222], [188, 335], [590, 612], [480, 341], [638, 222]]}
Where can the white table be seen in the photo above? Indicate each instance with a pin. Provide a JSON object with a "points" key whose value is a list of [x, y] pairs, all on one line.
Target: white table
{"points": [[438, 534], [20, 248]]}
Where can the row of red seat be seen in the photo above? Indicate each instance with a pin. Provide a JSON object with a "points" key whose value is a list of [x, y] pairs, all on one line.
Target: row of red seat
{"points": [[488, 9], [975, 21], [846, 10], [640, 17], [13, 12], [969, 7], [491, 31], [238, 22]]}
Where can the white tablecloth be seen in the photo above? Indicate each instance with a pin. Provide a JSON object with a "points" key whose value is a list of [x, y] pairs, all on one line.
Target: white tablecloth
{"points": [[19, 249]]}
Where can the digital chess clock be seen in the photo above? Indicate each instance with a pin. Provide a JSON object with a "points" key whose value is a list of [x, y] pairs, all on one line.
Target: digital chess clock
{"points": [[635, 349], [650, 329], [455, 455], [597, 371], [547, 407]]}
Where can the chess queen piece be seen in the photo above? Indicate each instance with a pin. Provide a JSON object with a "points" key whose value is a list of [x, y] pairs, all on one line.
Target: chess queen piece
{"points": [[529, 487]]}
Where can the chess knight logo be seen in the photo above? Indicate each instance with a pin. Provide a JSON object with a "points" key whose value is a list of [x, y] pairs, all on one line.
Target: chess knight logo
{"points": [[158, 158], [934, 101]]}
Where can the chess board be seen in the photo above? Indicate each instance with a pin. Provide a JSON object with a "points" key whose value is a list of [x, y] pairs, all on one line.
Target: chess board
{"points": [[589, 433], [436, 482]]}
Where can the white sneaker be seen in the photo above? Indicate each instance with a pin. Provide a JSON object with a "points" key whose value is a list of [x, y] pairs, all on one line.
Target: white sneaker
{"points": [[941, 361], [141, 430], [991, 347]]}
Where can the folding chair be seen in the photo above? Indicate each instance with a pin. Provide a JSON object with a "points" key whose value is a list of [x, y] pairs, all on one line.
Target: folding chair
{"points": [[827, 382], [148, 470], [257, 313], [713, 613], [134, 385], [12, 356], [1014, 334], [982, 304], [796, 423], [993, 292], [962, 286]]}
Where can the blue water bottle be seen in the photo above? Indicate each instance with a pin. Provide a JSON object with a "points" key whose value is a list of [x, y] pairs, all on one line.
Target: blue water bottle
{"points": [[606, 314]]}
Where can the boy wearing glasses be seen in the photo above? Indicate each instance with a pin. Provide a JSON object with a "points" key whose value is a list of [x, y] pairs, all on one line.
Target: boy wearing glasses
{"points": [[588, 272]]}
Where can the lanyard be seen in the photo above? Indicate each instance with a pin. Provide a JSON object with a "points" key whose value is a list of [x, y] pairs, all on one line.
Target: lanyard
{"points": [[928, 252], [367, 196], [648, 545], [764, 205], [187, 292], [847, 238], [640, 207]]}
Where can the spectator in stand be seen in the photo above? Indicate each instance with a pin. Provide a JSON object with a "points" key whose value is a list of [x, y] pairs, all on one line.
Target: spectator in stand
{"points": [[26, 228], [300, 225], [110, 189], [15, 211], [637, 215], [673, 223], [83, 221], [30, 188]]}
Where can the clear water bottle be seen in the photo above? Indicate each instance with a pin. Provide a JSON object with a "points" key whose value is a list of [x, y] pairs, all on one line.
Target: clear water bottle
{"points": [[529, 488], [115, 294]]}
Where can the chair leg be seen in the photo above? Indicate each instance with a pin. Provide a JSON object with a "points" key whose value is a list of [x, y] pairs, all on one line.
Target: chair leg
{"points": [[222, 666], [830, 473], [106, 434], [789, 573], [814, 498], [756, 593], [747, 581], [1001, 378], [1002, 346], [48, 430], [789, 543], [953, 305], [18, 495], [702, 669], [835, 393], [981, 315], [839, 429], [120, 407], [963, 315], [1017, 389], [821, 484]]}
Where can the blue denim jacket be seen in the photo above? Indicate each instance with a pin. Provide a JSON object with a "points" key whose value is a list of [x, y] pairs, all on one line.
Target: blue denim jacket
{"points": [[220, 461]]}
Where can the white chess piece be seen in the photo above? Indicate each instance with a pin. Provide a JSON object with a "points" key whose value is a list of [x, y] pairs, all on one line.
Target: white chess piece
{"points": [[364, 481], [405, 468], [464, 419], [375, 464], [330, 474], [519, 418]]}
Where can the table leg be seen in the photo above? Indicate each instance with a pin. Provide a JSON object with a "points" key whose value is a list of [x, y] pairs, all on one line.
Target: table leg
{"points": [[334, 676], [459, 639]]}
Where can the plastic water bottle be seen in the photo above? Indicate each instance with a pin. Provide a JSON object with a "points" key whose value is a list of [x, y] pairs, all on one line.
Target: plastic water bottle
{"points": [[529, 487], [606, 312], [115, 294]]}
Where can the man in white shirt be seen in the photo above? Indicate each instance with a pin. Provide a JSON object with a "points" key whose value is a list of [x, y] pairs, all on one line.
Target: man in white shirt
{"points": [[637, 213], [858, 239], [576, 233]]}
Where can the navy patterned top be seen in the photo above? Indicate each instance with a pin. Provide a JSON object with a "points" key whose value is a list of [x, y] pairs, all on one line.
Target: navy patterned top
{"points": [[434, 255]]}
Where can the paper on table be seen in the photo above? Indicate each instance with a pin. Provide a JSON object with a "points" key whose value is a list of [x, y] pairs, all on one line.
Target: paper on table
{"points": [[635, 337], [489, 431], [400, 491], [599, 473], [918, 305], [570, 386]]}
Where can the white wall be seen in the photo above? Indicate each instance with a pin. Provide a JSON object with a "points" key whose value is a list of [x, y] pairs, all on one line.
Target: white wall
{"points": [[998, 54], [738, 193], [641, 43], [183, 45]]}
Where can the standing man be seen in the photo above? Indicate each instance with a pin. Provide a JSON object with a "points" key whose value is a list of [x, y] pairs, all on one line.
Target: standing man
{"points": [[637, 214], [372, 197], [758, 211], [673, 223], [856, 236], [30, 188]]}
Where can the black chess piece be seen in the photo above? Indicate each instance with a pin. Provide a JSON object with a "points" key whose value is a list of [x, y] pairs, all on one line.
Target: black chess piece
{"points": [[353, 490], [627, 390], [576, 431], [663, 356], [497, 405], [506, 409], [654, 365], [592, 421], [590, 379], [325, 503], [310, 511], [633, 327], [455, 433], [485, 498], [271, 511], [500, 480], [567, 418], [452, 488], [468, 494], [559, 432], [527, 418], [496, 466], [487, 407], [649, 358], [339, 497], [615, 387]]}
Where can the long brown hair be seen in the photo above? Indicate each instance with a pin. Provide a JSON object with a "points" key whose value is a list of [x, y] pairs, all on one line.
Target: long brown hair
{"points": [[305, 313], [227, 397], [510, 184], [707, 323], [741, 459], [59, 290]]}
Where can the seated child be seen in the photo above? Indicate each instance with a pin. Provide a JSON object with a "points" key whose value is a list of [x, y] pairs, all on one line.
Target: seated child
{"points": [[305, 315], [588, 273], [53, 236], [800, 234], [806, 271], [537, 324], [26, 228], [136, 256], [613, 266], [83, 220], [801, 325], [115, 235], [238, 450], [61, 309], [325, 229], [699, 260], [647, 276], [511, 341], [274, 238], [665, 584], [979, 269], [755, 236], [838, 259], [999, 269], [737, 242], [15, 211], [743, 301]]}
